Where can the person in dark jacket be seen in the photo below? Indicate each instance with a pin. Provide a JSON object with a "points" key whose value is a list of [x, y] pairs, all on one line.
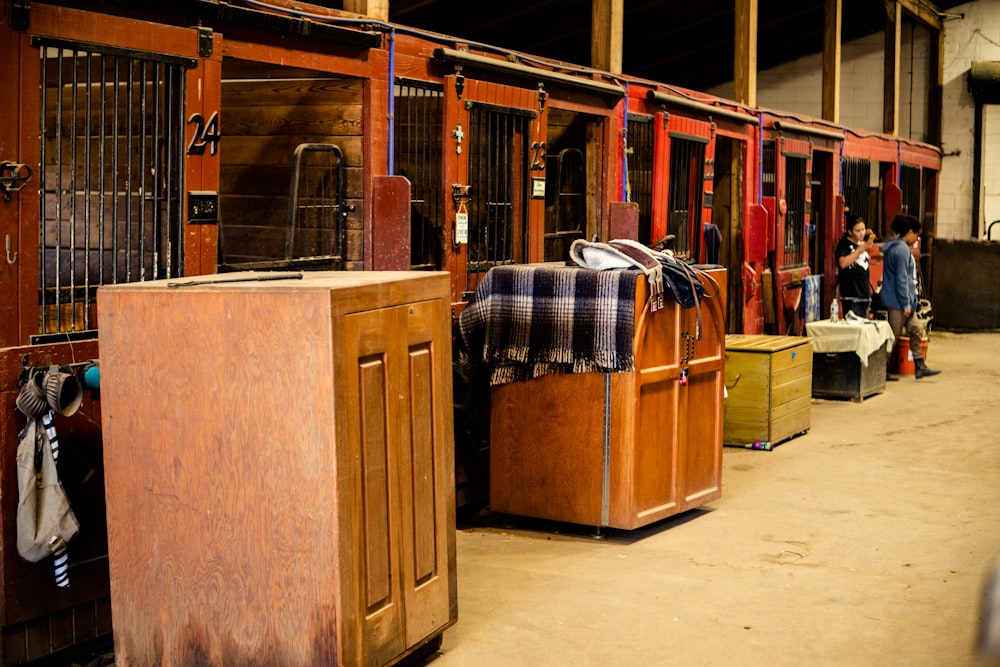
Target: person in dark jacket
{"points": [[899, 287], [852, 261]]}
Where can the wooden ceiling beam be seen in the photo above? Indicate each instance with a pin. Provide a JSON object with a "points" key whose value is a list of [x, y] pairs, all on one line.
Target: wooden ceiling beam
{"points": [[745, 53], [376, 9], [924, 11], [606, 20], [890, 91], [832, 16]]}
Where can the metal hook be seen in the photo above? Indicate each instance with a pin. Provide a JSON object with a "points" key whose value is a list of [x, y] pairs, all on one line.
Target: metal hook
{"points": [[10, 259]]}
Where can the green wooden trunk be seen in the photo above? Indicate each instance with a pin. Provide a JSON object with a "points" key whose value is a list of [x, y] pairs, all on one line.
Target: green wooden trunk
{"points": [[769, 380]]}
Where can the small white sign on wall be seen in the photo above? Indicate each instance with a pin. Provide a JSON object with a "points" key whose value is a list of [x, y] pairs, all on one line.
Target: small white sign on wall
{"points": [[461, 227], [537, 188]]}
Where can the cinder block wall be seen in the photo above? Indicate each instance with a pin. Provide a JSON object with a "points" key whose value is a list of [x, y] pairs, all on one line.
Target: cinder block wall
{"points": [[965, 291], [798, 87]]}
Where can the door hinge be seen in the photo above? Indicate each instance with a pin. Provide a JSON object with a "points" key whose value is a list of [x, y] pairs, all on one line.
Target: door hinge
{"points": [[20, 14], [205, 41]]}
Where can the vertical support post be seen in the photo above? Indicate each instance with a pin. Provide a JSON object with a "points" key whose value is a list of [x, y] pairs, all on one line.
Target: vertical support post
{"points": [[890, 97], [745, 56], [832, 11], [606, 20]]}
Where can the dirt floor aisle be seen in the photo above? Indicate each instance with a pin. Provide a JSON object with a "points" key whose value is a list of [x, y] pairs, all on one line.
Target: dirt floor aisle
{"points": [[863, 542]]}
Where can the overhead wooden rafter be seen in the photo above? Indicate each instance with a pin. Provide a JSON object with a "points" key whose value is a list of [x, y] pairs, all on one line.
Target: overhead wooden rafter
{"points": [[745, 52], [832, 15], [607, 19], [377, 9], [890, 83], [923, 11]]}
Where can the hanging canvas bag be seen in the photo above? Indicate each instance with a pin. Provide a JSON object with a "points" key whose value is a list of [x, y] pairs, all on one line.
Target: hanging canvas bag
{"points": [[45, 521]]}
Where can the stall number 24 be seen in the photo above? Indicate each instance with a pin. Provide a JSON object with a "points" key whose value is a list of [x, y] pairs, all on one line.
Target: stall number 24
{"points": [[206, 133]]}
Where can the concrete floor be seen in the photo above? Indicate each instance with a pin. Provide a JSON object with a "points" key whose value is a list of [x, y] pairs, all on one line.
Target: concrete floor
{"points": [[865, 541]]}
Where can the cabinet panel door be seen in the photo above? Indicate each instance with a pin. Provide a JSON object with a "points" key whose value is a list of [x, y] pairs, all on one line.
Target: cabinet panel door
{"points": [[701, 451], [373, 396], [702, 411], [655, 443], [426, 469], [655, 485], [398, 394]]}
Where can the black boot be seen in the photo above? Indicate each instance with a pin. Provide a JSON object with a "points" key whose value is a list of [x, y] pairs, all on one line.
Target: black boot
{"points": [[921, 370]]}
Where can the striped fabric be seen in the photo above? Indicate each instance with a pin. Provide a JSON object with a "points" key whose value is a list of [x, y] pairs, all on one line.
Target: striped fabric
{"points": [[525, 321], [56, 543]]}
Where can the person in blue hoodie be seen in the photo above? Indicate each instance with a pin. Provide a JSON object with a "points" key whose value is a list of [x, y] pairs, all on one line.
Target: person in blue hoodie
{"points": [[899, 287]]}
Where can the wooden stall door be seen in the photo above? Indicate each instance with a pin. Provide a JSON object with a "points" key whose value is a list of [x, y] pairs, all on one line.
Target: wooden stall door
{"points": [[499, 131], [99, 108], [126, 116]]}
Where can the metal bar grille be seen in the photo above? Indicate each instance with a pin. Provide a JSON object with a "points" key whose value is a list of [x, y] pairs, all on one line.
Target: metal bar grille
{"points": [[316, 204], [795, 188], [497, 159], [856, 176], [767, 169], [640, 172], [687, 166], [111, 142], [909, 184], [418, 123]]}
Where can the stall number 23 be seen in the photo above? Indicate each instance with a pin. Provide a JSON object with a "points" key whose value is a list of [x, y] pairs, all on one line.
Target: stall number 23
{"points": [[206, 133]]}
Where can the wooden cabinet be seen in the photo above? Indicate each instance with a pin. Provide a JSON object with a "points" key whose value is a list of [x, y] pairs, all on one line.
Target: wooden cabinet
{"points": [[620, 450], [770, 388], [280, 467]]}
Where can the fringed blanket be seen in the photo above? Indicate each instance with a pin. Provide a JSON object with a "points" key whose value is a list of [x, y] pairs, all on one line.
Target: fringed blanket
{"points": [[525, 321]]}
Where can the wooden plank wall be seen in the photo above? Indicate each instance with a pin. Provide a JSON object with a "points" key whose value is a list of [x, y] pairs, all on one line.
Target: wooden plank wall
{"points": [[263, 120]]}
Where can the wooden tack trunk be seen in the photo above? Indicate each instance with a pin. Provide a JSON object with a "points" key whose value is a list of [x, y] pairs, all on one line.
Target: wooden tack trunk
{"points": [[769, 379], [621, 450], [280, 468], [842, 375]]}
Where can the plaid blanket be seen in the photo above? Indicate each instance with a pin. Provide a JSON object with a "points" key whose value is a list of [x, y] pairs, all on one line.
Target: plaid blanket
{"points": [[525, 321]]}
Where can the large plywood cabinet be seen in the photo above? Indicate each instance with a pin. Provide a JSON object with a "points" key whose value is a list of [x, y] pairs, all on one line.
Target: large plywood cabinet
{"points": [[280, 467], [623, 449]]}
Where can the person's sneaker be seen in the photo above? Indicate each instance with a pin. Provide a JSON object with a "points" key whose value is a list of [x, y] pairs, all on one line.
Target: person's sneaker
{"points": [[891, 378]]}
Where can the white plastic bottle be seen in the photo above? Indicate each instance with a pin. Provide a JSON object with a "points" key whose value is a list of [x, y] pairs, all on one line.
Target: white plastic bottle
{"points": [[834, 311]]}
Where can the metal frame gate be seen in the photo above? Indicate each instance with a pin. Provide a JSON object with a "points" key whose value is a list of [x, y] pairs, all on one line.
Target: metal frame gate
{"points": [[111, 182]]}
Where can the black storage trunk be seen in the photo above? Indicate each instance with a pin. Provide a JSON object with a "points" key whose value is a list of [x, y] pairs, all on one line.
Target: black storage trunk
{"points": [[841, 375]]}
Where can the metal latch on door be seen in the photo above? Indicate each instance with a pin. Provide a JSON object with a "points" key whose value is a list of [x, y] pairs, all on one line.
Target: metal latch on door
{"points": [[13, 177]]}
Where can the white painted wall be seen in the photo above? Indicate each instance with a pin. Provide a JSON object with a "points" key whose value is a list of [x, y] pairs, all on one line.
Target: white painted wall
{"points": [[991, 169], [797, 87], [975, 38]]}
